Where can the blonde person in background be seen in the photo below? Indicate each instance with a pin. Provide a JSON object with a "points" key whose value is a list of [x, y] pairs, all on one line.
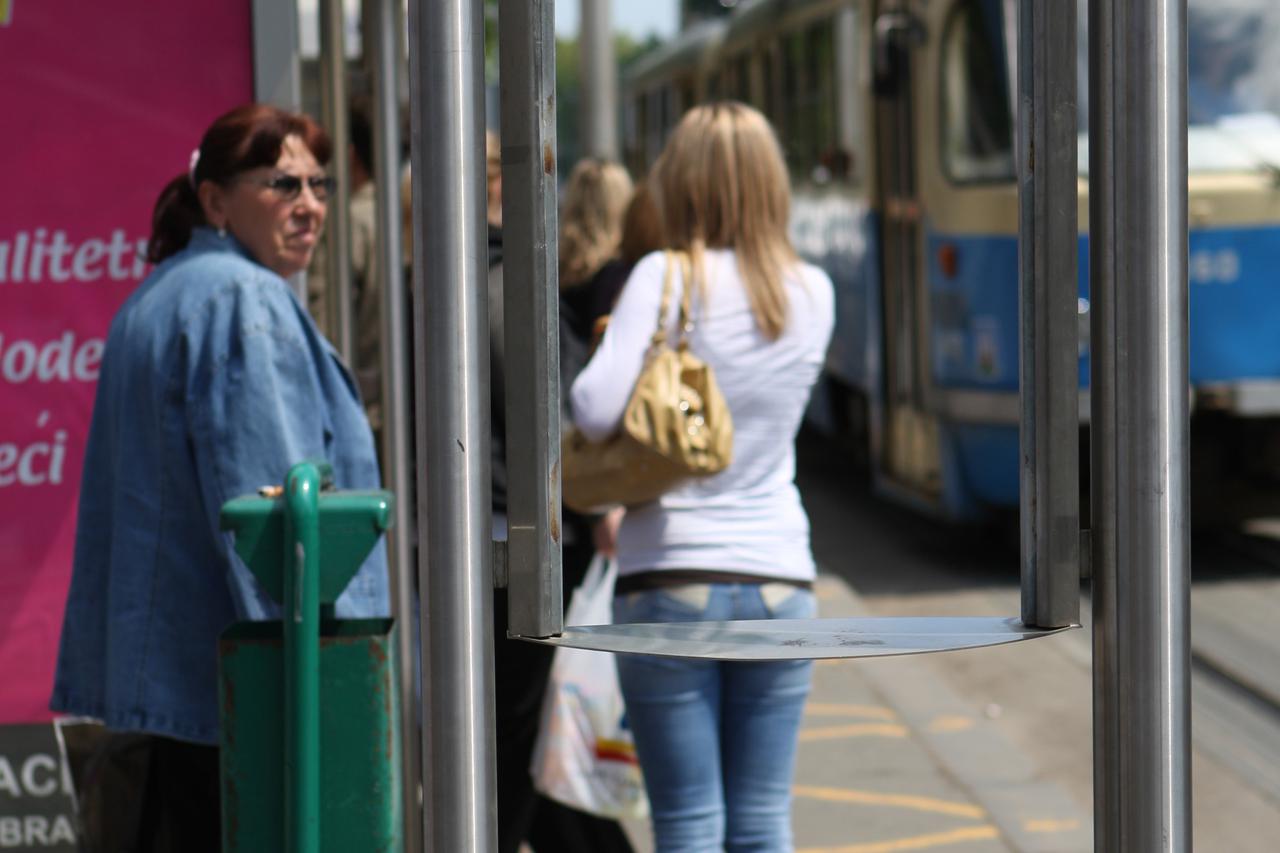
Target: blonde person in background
{"points": [[717, 739], [595, 200]]}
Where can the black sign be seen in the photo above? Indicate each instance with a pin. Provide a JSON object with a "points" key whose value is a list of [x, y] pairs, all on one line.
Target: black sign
{"points": [[37, 807]]}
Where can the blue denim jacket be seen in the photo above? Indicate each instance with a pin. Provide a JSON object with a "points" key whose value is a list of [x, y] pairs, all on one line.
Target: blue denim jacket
{"points": [[213, 383]]}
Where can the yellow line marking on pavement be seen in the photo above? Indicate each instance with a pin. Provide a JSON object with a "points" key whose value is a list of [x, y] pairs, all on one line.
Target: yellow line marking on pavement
{"points": [[903, 801], [1051, 825], [951, 724], [853, 730], [831, 709], [918, 842]]}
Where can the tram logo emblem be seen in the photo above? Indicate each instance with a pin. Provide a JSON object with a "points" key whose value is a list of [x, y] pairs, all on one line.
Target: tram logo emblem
{"points": [[1208, 266]]}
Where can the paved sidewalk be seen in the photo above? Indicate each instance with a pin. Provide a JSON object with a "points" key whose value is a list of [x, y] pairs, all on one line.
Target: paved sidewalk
{"points": [[891, 759]]}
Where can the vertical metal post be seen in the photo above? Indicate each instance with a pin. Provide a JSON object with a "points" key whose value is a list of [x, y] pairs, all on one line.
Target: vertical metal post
{"points": [[277, 77], [1102, 430], [1047, 255], [277, 74], [333, 107], [599, 75], [527, 57], [381, 34], [301, 616], [450, 319], [1144, 163]]}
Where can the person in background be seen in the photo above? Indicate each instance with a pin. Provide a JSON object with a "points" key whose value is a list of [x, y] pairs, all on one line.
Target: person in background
{"points": [[717, 739], [521, 670], [214, 382], [366, 283], [590, 233], [641, 234]]}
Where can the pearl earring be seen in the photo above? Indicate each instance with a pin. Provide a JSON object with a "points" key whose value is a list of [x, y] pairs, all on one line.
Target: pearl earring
{"points": [[222, 231]]}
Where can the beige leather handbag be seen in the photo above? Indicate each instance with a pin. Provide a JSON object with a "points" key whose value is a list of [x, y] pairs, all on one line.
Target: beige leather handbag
{"points": [[676, 424]]}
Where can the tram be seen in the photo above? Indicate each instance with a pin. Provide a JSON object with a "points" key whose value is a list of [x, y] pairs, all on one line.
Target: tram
{"points": [[897, 119]]}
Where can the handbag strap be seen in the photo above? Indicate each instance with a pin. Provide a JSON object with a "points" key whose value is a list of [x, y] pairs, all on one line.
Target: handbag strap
{"points": [[684, 325], [660, 334]]}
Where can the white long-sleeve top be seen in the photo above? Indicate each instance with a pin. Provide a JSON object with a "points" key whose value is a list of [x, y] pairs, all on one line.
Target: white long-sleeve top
{"points": [[748, 518]]}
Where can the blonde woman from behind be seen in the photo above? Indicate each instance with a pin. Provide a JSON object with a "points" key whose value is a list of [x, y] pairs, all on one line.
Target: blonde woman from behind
{"points": [[717, 740]]}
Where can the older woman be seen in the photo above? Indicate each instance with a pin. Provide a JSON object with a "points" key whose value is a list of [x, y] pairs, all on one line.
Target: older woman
{"points": [[717, 739], [214, 382]]}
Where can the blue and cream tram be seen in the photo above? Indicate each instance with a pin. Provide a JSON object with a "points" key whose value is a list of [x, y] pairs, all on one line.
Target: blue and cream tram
{"points": [[898, 124]]}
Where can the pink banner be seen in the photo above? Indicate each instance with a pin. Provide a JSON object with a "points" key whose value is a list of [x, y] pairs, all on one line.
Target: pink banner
{"points": [[102, 105]]}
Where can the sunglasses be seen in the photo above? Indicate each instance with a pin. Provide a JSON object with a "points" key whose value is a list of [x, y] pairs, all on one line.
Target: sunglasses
{"points": [[289, 187]]}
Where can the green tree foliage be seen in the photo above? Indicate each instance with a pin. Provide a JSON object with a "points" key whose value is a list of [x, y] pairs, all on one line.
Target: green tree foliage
{"points": [[569, 90]]}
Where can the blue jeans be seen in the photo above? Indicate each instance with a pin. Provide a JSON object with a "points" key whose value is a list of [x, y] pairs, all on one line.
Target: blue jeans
{"points": [[716, 739]]}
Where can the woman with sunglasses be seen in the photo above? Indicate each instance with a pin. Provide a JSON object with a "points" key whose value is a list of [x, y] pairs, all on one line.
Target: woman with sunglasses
{"points": [[214, 382]]}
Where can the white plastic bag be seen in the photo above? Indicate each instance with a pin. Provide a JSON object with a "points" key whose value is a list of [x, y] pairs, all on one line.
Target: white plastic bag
{"points": [[585, 756]]}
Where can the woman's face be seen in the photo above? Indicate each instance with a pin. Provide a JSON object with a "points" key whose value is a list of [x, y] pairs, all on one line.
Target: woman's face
{"points": [[277, 219]]}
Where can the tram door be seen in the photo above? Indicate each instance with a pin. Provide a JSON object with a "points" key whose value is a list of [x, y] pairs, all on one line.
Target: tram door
{"points": [[909, 447]]}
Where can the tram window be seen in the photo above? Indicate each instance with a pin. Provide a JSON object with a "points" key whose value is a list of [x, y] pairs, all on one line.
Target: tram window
{"points": [[742, 79], [977, 129], [634, 134], [792, 106], [688, 91], [772, 87], [809, 98], [828, 161], [657, 121]]}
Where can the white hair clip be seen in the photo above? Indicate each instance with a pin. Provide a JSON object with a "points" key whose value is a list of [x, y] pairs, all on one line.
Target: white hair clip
{"points": [[191, 169]]}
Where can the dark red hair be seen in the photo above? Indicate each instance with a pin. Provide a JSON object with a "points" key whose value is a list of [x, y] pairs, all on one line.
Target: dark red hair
{"points": [[246, 138]]}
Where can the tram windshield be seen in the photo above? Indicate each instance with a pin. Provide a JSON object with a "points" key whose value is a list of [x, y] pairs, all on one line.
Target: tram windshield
{"points": [[1233, 85], [1233, 89]]}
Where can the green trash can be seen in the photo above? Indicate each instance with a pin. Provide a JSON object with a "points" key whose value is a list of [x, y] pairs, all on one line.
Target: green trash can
{"points": [[309, 711]]}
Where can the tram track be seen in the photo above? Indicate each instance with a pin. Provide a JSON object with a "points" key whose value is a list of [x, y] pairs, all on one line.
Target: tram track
{"points": [[1232, 618], [1235, 668]]}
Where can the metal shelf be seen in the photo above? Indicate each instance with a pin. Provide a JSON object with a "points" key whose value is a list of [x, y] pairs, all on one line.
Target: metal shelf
{"points": [[800, 639]]}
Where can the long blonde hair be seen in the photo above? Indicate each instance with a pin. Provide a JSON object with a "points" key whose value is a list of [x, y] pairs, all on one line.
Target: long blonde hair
{"points": [[591, 222], [722, 183]]}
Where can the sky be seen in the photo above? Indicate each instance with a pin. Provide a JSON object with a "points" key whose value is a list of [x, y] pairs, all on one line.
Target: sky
{"points": [[636, 18]]}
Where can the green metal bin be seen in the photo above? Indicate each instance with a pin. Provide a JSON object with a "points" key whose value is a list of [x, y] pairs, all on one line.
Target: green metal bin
{"points": [[309, 712]]}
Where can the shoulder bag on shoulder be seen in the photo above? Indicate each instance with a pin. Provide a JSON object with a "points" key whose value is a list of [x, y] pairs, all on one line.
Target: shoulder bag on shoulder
{"points": [[676, 425]]}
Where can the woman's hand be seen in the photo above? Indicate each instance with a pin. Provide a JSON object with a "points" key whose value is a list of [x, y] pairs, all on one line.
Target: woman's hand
{"points": [[605, 532]]}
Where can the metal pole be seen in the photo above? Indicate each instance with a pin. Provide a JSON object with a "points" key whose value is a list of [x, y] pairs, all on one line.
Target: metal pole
{"points": [[1147, 176], [527, 55], [302, 660], [380, 35], [277, 75], [333, 107], [277, 78], [599, 75], [1102, 431], [450, 324], [1047, 252]]}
